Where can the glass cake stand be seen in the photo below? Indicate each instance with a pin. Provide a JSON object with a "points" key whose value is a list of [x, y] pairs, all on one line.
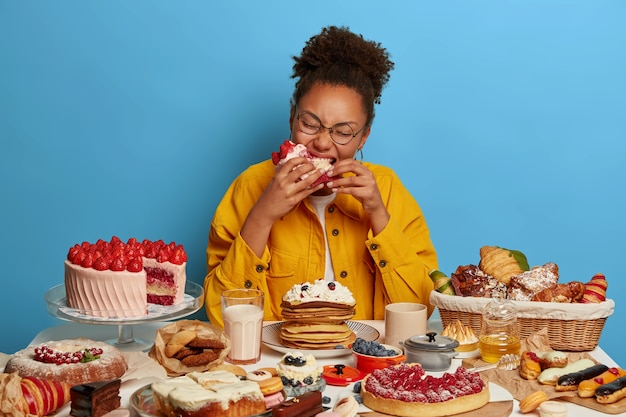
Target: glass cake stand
{"points": [[56, 302]]}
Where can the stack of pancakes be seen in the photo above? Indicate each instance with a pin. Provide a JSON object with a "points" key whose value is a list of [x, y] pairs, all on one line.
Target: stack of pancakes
{"points": [[316, 324]]}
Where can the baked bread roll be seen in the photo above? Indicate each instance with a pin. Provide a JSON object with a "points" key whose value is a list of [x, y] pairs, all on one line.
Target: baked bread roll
{"points": [[550, 376], [553, 359], [524, 286], [530, 368], [442, 282], [595, 290], [587, 388], [471, 281], [561, 293], [502, 263]]}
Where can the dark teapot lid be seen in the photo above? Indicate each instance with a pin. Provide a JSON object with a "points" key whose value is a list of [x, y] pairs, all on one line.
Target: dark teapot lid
{"points": [[431, 342]]}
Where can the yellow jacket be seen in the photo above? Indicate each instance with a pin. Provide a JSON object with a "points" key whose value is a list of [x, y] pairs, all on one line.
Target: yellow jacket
{"points": [[390, 267]]}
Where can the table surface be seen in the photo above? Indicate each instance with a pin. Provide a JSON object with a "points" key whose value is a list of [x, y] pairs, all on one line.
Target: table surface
{"points": [[146, 332]]}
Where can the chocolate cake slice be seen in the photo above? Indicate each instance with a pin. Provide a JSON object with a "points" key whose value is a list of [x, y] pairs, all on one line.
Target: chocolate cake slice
{"points": [[95, 399]]}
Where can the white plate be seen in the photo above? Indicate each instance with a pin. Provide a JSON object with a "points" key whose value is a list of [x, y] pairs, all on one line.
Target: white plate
{"points": [[271, 339]]}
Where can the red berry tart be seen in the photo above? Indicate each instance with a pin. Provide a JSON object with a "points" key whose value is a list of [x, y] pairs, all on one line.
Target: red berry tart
{"points": [[73, 361], [406, 390], [118, 279]]}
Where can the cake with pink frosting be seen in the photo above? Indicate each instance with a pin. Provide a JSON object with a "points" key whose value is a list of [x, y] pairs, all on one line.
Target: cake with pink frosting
{"points": [[117, 279]]}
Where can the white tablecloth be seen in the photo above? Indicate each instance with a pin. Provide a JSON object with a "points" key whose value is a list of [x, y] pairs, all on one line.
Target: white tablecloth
{"points": [[269, 357]]}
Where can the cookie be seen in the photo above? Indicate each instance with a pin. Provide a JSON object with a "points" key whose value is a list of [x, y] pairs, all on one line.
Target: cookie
{"points": [[206, 343], [186, 351], [178, 341], [532, 401], [347, 407], [272, 371], [271, 385], [200, 359], [233, 369], [258, 375], [273, 400]]}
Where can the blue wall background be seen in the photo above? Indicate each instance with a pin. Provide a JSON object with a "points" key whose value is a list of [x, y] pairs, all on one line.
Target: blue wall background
{"points": [[506, 119]]}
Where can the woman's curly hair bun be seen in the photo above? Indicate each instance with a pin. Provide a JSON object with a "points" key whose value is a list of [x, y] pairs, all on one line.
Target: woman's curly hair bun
{"points": [[340, 57]]}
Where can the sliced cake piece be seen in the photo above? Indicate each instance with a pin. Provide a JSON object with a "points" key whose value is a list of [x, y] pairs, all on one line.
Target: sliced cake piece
{"points": [[95, 399]]}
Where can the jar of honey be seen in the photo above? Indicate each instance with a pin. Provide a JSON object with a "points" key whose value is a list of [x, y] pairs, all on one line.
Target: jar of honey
{"points": [[499, 333]]}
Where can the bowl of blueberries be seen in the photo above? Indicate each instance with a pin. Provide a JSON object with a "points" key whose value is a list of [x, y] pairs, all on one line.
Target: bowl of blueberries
{"points": [[372, 355]]}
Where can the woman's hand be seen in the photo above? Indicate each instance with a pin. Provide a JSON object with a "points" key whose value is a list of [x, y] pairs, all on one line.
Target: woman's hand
{"points": [[290, 185], [363, 187]]}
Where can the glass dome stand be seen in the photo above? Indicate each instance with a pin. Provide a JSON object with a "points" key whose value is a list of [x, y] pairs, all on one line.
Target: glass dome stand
{"points": [[56, 302]]}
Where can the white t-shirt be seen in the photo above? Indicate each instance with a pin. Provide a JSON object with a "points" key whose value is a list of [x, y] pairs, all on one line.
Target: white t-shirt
{"points": [[319, 203]]}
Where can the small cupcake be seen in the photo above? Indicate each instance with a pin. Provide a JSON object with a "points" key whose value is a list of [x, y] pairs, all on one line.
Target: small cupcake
{"points": [[300, 374]]}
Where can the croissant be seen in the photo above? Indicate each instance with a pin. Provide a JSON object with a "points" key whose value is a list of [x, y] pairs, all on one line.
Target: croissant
{"points": [[20, 397], [502, 263], [442, 282], [595, 290], [561, 293]]}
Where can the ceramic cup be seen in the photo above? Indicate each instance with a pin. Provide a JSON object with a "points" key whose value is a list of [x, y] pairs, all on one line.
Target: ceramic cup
{"points": [[242, 310], [403, 320]]}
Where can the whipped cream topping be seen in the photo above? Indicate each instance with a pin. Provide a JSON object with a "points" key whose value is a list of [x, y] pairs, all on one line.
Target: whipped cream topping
{"points": [[299, 373], [294, 152], [320, 290], [208, 380], [321, 163]]}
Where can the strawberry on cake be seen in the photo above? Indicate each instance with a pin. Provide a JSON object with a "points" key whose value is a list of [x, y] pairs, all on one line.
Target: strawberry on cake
{"points": [[406, 390], [289, 150], [118, 279]]}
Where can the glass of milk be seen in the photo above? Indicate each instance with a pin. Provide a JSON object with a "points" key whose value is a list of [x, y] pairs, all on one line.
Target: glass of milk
{"points": [[242, 310]]}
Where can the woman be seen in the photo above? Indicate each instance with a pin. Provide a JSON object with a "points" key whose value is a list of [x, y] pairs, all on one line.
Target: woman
{"points": [[274, 228]]}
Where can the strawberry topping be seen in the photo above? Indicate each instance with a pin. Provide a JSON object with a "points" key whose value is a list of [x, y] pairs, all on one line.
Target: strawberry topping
{"points": [[411, 384], [119, 256]]}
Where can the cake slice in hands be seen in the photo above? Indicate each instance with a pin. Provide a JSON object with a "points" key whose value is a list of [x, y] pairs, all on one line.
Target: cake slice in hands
{"points": [[289, 150]]}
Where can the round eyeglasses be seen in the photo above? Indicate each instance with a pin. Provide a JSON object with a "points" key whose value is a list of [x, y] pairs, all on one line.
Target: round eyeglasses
{"points": [[341, 133]]}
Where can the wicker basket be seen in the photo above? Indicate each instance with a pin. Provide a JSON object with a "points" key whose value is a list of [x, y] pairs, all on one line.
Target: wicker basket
{"points": [[571, 327]]}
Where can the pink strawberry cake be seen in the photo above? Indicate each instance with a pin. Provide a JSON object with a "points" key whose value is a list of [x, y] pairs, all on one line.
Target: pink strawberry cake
{"points": [[289, 150], [118, 279]]}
